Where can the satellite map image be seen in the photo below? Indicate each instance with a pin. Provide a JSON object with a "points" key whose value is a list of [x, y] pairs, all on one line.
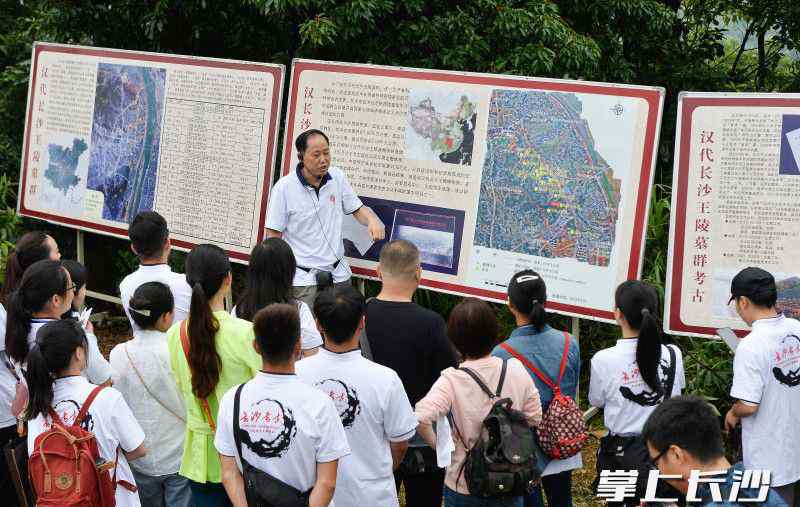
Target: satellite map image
{"points": [[126, 130], [440, 126], [545, 190]]}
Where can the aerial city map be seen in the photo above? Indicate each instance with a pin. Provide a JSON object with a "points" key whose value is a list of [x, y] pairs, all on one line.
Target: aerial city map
{"points": [[545, 190], [126, 131]]}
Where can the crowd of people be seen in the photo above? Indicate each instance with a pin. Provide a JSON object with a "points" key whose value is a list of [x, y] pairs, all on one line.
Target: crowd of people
{"points": [[306, 394]]}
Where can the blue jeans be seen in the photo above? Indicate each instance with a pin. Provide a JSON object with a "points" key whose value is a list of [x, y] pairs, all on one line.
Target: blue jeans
{"points": [[557, 488], [163, 490], [209, 494], [454, 499]]}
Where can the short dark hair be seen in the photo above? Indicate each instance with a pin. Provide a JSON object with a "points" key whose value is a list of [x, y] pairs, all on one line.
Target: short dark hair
{"points": [[148, 233], [149, 302], [301, 142], [277, 330], [399, 258], [688, 422], [765, 299], [77, 272], [339, 310], [472, 328]]}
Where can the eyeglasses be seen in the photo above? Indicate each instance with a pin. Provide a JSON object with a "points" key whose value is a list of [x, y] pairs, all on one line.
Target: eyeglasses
{"points": [[74, 288], [653, 461]]}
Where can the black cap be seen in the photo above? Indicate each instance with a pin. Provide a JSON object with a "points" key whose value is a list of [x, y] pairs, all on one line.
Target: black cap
{"points": [[751, 282]]}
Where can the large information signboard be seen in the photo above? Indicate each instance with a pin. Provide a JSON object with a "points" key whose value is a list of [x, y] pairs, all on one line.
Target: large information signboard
{"points": [[735, 203], [491, 174], [110, 133]]}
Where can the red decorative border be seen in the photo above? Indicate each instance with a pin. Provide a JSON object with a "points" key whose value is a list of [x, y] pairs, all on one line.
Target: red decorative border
{"points": [[277, 89], [680, 187], [651, 96]]}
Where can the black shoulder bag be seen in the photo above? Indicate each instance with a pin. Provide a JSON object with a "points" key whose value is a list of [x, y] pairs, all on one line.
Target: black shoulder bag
{"points": [[262, 489]]}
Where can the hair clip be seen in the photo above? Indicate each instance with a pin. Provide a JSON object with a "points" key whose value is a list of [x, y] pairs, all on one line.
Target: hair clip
{"points": [[143, 312], [526, 278], [535, 301], [645, 311]]}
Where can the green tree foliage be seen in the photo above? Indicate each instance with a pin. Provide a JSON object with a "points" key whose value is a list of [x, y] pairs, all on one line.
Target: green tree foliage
{"points": [[680, 45]]}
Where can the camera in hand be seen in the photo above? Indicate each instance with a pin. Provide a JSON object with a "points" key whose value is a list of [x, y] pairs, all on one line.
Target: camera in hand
{"points": [[324, 279]]}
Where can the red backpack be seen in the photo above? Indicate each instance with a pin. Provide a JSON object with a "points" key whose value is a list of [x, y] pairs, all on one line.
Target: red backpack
{"points": [[562, 431], [66, 468]]}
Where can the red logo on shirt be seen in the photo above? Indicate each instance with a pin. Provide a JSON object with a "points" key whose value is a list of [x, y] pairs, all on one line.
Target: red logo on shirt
{"points": [[333, 199]]}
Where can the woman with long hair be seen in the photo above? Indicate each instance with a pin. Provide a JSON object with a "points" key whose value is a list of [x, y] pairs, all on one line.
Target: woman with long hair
{"points": [[55, 384], [270, 273], [544, 347], [210, 352], [472, 328], [31, 247], [629, 380], [42, 295]]}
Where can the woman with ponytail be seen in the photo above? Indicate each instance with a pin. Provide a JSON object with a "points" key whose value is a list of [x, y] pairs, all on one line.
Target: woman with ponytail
{"points": [[54, 379], [210, 352], [32, 247], [629, 380], [543, 347]]}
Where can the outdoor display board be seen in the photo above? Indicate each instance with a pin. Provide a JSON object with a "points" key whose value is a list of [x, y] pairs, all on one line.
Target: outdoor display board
{"points": [[490, 174], [110, 133], [735, 203]]}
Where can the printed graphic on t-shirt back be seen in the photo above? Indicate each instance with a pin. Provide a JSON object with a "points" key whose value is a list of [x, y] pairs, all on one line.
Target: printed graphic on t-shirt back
{"points": [[631, 380], [267, 427], [344, 397], [68, 410], [786, 368]]}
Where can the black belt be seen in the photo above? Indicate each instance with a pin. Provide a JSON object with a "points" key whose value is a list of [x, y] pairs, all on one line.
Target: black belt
{"points": [[308, 270]]}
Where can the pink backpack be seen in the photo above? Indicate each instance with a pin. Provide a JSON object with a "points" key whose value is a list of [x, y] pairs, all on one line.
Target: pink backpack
{"points": [[562, 431]]}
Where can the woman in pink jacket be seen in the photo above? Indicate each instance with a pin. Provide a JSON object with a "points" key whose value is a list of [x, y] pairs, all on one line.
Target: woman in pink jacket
{"points": [[473, 330]]}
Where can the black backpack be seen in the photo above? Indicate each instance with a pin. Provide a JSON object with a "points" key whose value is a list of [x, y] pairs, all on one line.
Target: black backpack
{"points": [[502, 462]]}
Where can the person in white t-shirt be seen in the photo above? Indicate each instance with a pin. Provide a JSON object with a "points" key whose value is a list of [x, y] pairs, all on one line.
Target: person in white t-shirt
{"points": [[45, 293], [150, 242], [141, 372], [766, 383], [370, 399], [55, 382], [629, 380], [99, 370], [269, 280], [31, 247], [306, 208], [286, 427]]}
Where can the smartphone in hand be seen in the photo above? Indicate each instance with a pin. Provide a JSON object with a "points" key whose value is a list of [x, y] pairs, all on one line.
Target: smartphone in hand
{"points": [[729, 337]]}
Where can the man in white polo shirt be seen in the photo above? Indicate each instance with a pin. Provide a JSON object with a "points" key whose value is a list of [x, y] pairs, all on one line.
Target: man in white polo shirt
{"points": [[372, 404], [766, 383], [306, 209], [150, 242]]}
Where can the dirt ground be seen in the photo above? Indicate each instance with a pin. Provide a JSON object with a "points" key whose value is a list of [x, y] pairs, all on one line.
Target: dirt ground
{"points": [[117, 330]]}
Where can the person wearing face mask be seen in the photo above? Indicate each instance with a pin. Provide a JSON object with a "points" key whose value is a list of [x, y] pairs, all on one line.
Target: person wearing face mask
{"points": [[306, 209]]}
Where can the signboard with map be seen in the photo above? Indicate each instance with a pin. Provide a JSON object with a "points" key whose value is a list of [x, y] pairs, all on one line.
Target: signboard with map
{"points": [[110, 133], [735, 204], [489, 174]]}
